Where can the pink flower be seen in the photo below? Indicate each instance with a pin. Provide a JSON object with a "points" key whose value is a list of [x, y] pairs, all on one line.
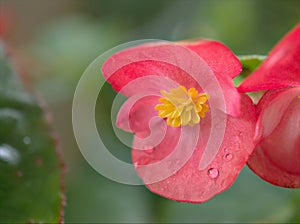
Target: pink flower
{"points": [[193, 129], [277, 156]]}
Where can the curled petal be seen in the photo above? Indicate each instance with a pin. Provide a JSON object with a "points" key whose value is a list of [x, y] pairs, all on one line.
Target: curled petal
{"points": [[281, 68], [271, 108], [277, 157]]}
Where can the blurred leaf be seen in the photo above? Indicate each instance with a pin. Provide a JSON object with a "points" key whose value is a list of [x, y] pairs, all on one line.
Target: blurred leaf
{"points": [[30, 177], [128, 13], [295, 218], [64, 49], [249, 64], [94, 199]]}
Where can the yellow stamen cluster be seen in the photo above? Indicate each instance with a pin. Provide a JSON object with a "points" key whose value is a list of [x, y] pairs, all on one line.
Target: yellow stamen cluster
{"points": [[182, 107], [299, 96]]}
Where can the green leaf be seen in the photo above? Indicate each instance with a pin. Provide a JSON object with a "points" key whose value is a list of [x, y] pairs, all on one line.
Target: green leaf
{"points": [[295, 218], [249, 64], [30, 170]]}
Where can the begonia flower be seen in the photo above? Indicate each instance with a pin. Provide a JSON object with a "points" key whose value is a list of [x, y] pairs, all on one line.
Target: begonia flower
{"points": [[193, 129], [277, 156]]}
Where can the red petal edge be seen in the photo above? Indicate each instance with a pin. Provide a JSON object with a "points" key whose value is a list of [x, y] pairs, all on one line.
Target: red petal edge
{"points": [[219, 57], [280, 69], [277, 157]]}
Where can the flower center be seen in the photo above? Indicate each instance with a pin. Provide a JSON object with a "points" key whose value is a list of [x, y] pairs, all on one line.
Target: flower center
{"points": [[182, 107], [299, 96]]}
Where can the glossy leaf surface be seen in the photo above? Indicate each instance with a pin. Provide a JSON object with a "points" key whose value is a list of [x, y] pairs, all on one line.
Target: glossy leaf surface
{"points": [[30, 176]]}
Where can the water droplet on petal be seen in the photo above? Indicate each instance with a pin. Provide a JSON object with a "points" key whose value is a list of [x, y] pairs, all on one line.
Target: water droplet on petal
{"points": [[149, 151], [228, 156], [27, 140], [240, 134], [225, 150], [9, 154], [213, 173], [135, 164]]}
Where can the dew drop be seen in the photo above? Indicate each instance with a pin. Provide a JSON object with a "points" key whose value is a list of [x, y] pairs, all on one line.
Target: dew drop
{"points": [[26, 140], [213, 173], [164, 188], [240, 134], [228, 157], [149, 151], [9, 154], [10, 113], [225, 150]]}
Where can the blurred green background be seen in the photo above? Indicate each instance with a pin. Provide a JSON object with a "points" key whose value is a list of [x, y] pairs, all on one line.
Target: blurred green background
{"points": [[56, 40]]}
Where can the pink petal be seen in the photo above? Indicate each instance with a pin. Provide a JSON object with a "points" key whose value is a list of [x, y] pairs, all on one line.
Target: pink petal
{"points": [[281, 68], [149, 60], [260, 164], [277, 158], [171, 168], [271, 109], [136, 114], [179, 64], [148, 85], [218, 57]]}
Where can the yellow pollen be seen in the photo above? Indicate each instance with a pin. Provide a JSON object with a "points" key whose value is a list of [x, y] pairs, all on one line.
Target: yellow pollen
{"points": [[299, 96], [182, 107]]}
